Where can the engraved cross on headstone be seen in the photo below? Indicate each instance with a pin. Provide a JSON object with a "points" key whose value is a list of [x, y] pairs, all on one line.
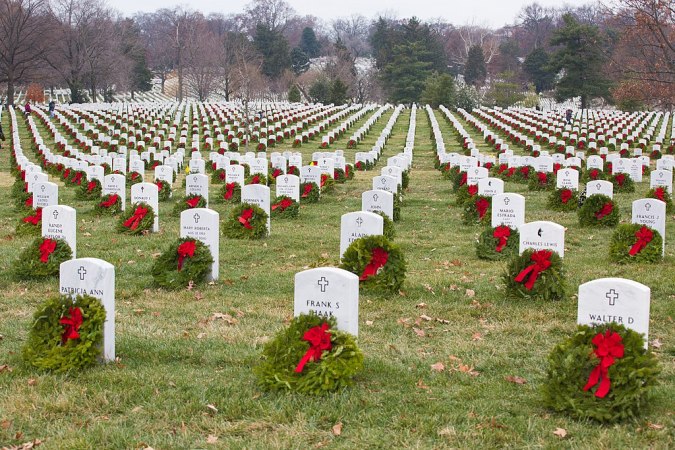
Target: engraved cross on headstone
{"points": [[359, 221], [612, 296], [648, 206], [196, 217], [82, 272], [375, 197], [507, 201], [323, 283], [55, 214]]}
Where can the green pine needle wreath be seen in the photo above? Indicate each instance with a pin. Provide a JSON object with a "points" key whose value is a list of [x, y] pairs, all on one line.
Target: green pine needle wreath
{"points": [[233, 228], [556, 204], [623, 240], [538, 183], [134, 177], [661, 193], [218, 176], [623, 183], [112, 210], [235, 193], [398, 200], [45, 350], [349, 171], [593, 205], [462, 194], [388, 229], [29, 265], [145, 224], [328, 183], [632, 377], [340, 176], [590, 175], [163, 193], [182, 205], [334, 371], [165, 271], [19, 190], [256, 178], [389, 277], [24, 228], [486, 245], [405, 179], [287, 208], [550, 285], [90, 190], [470, 211], [312, 196]]}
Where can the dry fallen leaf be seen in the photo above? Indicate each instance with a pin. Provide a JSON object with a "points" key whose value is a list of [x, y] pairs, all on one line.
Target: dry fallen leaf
{"points": [[201, 335], [470, 293], [426, 318], [211, 439], [560, 432], [5, 424], [476, 337], [32, 382], [5, 368], [337, 429], [438, 367], [369, 323], [421, 305], [516, 380], [190, 285], [419, 332], [212, 408], [656, 343], [198, 296], [421, 385], [655, 426]]}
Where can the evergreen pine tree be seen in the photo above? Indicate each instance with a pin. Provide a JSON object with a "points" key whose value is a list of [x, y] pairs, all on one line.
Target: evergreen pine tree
{"points": [[475, 71]]}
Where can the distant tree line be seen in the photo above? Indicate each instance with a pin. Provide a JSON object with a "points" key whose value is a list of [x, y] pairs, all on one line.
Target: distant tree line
{"points": [[623, 54]]}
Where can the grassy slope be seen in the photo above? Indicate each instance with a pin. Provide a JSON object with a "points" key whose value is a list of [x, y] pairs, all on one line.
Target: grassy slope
{"points": [[174, 360]]}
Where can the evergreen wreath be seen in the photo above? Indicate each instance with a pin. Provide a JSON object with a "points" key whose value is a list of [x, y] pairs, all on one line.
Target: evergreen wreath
{"points": [[31, 225], [284, 207], [477, 210], [110, 204], [189, 202], [598, 210], [77, 177], [542, 181], [623, 183], [635, 243], [465, 193], [377, 261], [563, 199], [185, 260], [137, 219], [458, 178], [327, 183], [218, 176], [388, 229], [349, 171], [541, 276], [523, 174], [231, 193], [257, 178], [41, 259], [593, 175], [405, 179], [309, 192], [52, 347], [246, 221], [163, 190], [572, 363], [293, 170], [496, 243], [90, 190], [339, 175], [134, 177], [335, 360], [661, 193]]}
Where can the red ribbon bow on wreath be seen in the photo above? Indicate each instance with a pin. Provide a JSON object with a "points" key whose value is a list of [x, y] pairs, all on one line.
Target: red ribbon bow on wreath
{"points": [[543, 178], [620, 179], [609, 346], [245, 217], [502, 233], [307, 190], [565, 195], [283, 204], [159, 185], [593, 174], [29, 202], [134, 221], [660, 194], [255, 179], [644, 236], [47, 248], [111, 201], [605, 211], [319, 341], [78, 178], [542, 261], [90, 186], [229, 190], [462, 180], [378, 258], [193, 202], [72, 323], [482, 206], [187, 248], [276, 173], [34, 219], [473, 189]]}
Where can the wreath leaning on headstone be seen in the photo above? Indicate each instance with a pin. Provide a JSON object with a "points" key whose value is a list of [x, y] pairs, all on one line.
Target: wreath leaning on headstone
{"points": [[497, 243], [246, 221], [563, 199], [90, 190], [379, 263], [284, 207], [42, 258], [623, 183], [388, 229], [186, 260], [231, 193], [189, 202], [599, 210], [635, 243], [110, 204], [542, 181], [311, 356], [603, 373], [477, 210], [163, 190], [30, 225], [661, 193], [137, 219], [66, 334], [536, 274], [309, 192]]}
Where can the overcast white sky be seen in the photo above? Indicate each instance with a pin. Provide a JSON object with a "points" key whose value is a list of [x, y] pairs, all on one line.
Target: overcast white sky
{"points": [[494, 13]]}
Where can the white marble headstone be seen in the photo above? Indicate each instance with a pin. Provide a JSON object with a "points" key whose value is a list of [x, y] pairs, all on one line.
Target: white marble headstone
{"points": [[508, 209], [652, 213], [378, 201], [358, 224], [490, 187], [259, 195], [203, 224], [116, 184], [288, 185], [45, 193], [60, 222], [542, 235], [197, 183], [147, 193], [600, 187]]}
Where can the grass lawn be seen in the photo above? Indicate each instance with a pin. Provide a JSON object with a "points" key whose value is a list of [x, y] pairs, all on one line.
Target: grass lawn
{"points": [[183, 378]]}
